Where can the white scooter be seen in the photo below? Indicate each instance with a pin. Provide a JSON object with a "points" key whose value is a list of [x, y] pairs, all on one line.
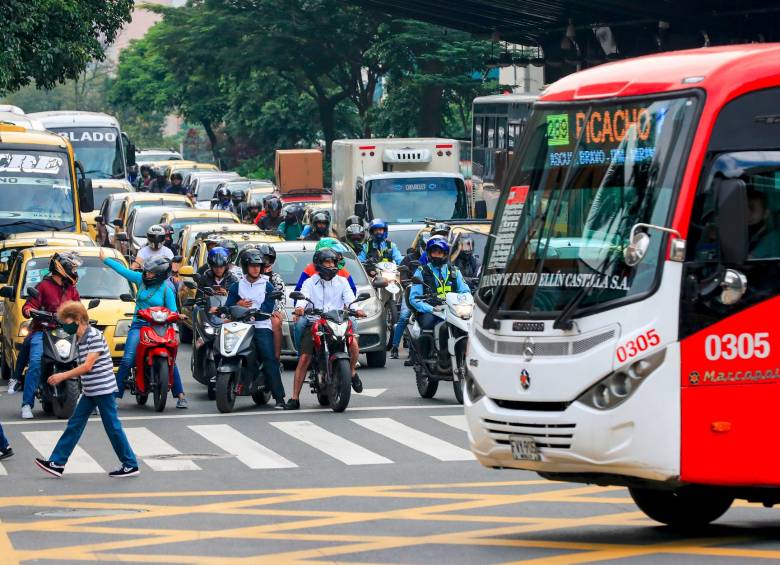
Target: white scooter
{"points": [[455, 313], [390, 294]]}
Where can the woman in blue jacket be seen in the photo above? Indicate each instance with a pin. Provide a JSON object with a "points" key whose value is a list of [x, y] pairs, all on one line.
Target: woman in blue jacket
{"points": [[153, 290]]}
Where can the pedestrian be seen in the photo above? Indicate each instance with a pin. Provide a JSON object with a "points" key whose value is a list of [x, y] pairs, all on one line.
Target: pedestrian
{"points": [[5, 448], [98, 387]]}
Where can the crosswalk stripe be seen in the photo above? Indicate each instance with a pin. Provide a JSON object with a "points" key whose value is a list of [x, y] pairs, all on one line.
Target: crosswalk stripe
{"points": [[415, 439], [457, 421], [249, 452], [2, 470], [371, 392], [330, 443], [147, 445], [79, 462]]}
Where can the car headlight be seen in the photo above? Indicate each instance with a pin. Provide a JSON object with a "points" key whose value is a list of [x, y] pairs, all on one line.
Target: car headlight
{"points": [[24, 329], [473, 389], [122, 328], [613, 390], [463, 311], [371, 307], [63, 347]]}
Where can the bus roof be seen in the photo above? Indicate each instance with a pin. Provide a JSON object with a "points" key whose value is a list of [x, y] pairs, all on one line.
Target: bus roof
{"points": [[17, 135], [724, 72], [20, 120], [506, 98], [65, 118]]}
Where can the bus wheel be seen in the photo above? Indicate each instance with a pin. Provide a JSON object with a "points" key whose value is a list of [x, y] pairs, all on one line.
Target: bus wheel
{"points": [[685, 509]]}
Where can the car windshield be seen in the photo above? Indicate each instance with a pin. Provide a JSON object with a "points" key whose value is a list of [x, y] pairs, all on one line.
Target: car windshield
{"points": [[479, 239], [95, 279], [402, 237], [146, 218], [587, 175], [179, 225], [101, 193], [35, 191], [98, 149], [207, 187], [409, 200], [290, 265], [151, 157]]}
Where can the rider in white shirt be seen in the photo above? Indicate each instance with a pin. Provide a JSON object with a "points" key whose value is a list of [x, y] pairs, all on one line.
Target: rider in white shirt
{"points": [[155, 237]]}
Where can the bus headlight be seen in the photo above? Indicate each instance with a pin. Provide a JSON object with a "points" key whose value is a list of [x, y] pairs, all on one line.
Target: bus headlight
{"points": [[613, 390], [122, 328]]}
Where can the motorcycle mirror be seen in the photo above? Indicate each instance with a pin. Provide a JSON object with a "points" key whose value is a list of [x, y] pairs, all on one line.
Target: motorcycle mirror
{"points": [[126, 297], [189, 284], [296, 295], [117, 222], [379, 283], [362, 296], [417, 280], [277, 295], [176, 259], [32, 291], [122, 237], [94, 303]]}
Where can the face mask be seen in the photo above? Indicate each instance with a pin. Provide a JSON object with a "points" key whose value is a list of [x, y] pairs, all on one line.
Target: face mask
{"points": [[328, 273], [70, 328], [438, 261]]}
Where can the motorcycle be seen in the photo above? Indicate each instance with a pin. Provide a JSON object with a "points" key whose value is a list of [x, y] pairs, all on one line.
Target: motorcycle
{"points": [[60, 354], [330, 373], [454, 312], [239, 371], [206, 326], [155, 356], [389, 294]]}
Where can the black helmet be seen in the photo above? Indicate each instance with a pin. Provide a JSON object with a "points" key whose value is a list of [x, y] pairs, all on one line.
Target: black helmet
{"points": [[156, 271], [159, 173], [176, 176], [65, 264], [223, 193], [231, 247], [212, 239], [326, 273], [252, 256], [441, 229], [272, 203], [268, 252], [293, 211], [155, 235], [356, 233], [353, 220], [238, 195], [321, 217]]}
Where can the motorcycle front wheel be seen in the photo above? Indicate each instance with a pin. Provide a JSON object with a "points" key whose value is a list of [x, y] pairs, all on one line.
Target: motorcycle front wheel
{"points": [[340, 385], [225, 391], [425, 386], [159, 382], [141, 399]]}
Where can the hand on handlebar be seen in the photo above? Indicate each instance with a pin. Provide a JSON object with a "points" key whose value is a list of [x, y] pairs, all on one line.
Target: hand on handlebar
{"points": [[245, 303], [220, 291], [438, 308], [359, 313], [298, 312]]}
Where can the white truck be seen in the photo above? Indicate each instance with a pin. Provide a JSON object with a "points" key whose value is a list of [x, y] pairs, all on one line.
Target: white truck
{"points": [[401, 180]]}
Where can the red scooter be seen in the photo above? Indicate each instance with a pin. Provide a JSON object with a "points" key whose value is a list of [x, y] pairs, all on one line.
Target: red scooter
{"points": [[155, 356]]}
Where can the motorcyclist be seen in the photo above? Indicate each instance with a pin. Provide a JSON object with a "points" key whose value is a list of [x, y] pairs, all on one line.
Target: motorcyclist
{"points": [[142, 182], [269, 254], [155, 247], [252, 211], [217, 276], [273, 215], [212, 241], [153, 290], [352, 220], [318, 228], [441, 229], [291, 228], [465, 260], [327, 291], [354, 237], [378, 248], [169, 231], [232, 249], [56, 288], [160, 182], [412, 260], [176, 185], [439, 278], [253, 290], [224, 200]]}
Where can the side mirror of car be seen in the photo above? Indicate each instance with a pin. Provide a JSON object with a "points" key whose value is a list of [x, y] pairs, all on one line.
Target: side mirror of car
{"points": [[126, 297], [362, 296], [122, 237], [94, 303], [99, 219], [379, 283], [8, 292], [297, 295], [186, 271], [417, 280], [32, 291]]}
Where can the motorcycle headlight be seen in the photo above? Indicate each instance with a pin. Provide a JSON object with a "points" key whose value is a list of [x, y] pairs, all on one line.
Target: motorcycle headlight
{"points": [[208, 330], [463, 311], [63, 347], [371, 307], [159, 316], [24, 329], [230, 340], [122, 328], [618, 386], [339, 330]]}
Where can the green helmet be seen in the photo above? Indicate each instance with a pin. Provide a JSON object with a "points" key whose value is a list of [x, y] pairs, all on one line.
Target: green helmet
{"points": [[335, 245]]}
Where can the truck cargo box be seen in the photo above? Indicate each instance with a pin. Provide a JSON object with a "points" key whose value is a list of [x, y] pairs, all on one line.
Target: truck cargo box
{"points": [[298, 170]]}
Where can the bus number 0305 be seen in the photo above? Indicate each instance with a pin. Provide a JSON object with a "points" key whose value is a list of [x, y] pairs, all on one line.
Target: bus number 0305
{"points": [[637, 345], [742, 346]]}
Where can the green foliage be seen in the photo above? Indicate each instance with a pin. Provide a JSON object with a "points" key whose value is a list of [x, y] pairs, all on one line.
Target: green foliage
{"points": [[49, 41]]}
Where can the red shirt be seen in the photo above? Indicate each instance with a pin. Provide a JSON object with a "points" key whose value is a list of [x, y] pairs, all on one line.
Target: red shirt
{"points": [[51, 298]]}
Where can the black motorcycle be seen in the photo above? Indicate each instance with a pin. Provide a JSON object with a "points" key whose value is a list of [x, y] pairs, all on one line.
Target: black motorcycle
{"points": [[60, 354], [206, 326]]}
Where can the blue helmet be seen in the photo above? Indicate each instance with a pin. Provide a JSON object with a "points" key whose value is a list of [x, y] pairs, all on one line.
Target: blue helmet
{"points": [[437, 242], [375, 224], [218, 257]]}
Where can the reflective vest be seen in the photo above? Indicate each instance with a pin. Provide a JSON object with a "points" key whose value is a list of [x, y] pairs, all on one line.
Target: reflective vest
{"points": [[441, 286], [373, 253]]}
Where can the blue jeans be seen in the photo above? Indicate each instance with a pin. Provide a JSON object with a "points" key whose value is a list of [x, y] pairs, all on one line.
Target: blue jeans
{"points": [[3, 439], [266, 352], [34, 370], [116, 435], [401, 324], [22, 359], [128, 362], [298, 328]]}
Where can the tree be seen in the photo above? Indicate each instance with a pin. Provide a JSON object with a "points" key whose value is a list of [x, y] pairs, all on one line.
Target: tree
{"points": [[47, 42]]}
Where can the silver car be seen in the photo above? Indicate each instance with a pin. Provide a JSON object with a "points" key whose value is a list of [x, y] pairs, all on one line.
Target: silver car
{"points": [[292, 257]]}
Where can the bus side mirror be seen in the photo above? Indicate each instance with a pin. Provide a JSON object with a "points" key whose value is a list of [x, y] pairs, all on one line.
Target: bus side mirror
{"points": [[129, 150], [360, 210], [732, 220], [86, 199], [480, 210]]}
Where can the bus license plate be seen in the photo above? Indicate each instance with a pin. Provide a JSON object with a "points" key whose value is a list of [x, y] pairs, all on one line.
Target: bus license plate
{"points": [[524, 448]]}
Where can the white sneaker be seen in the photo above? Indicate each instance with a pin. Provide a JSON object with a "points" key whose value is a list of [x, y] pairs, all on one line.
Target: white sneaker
{"points": [[27, 412], [12, 384]]}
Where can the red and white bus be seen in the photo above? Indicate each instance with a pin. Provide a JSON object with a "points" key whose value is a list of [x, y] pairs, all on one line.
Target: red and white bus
{"points": [[627, 324]]}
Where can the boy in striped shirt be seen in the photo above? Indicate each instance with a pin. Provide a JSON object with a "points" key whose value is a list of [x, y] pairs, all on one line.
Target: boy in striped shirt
{"points": [[98, 386]]}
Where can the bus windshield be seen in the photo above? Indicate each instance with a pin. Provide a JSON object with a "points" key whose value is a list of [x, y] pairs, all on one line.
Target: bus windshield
{"points": [[36, 191], [98, 149], [407, 200], [587, 175]]}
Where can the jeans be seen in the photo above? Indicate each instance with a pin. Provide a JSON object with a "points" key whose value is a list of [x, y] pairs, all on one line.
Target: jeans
{"points": [[263, 339], [22, 359], [3, 440], [116, 435], [34, 369], [300, 325], [128, 362], [426, 321], [400, 325]]}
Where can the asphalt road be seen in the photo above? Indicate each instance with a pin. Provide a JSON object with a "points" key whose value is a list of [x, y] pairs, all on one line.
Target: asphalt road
{"points": [[389, 481]]}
